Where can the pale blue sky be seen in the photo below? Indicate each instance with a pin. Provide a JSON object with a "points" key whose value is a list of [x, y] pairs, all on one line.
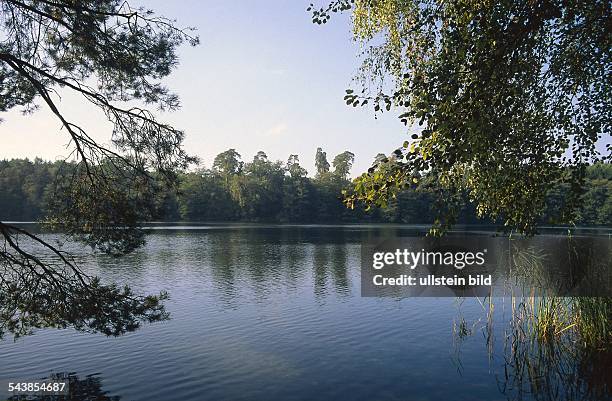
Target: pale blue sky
{"points": [[263, 78]]}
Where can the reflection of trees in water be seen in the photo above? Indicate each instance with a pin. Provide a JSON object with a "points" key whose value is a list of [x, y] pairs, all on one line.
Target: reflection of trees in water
{"points": [[263, 260], [294, 258], [339, 268], [330, 261], [222, 254], [88, 388], [320, 264]]}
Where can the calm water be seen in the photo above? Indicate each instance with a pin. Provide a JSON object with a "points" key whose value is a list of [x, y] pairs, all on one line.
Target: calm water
{"points": [[275, 313]]}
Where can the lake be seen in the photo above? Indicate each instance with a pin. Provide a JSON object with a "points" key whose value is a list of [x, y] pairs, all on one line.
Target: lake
{"points": [[275, 313]]}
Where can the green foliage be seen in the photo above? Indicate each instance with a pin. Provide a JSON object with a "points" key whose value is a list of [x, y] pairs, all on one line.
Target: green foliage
{"points": [[104, 213], [228, 163], [343, 163], [203, 196], [261, 191], [24, 188], [321, 163], [508, 99], [47, 289], [294, 168], [98, 308]]}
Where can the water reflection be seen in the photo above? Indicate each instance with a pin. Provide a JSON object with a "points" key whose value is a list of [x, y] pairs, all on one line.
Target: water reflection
{"points": [[87, 388], [27, 304], [262, 262], [330, 265], [554, 370], [276, 313]]}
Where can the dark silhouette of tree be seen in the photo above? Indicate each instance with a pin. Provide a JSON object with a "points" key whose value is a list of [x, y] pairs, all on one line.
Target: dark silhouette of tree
{"points": [[507, 99], [321, 163], [114, 56], [42, 286], [294, 168], [205, 196]]}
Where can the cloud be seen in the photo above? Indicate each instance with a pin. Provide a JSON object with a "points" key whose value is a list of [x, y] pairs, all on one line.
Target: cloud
{"points": [[278, 130]]}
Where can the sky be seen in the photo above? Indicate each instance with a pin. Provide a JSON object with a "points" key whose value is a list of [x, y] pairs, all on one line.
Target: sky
{"points": [[263, 78]]}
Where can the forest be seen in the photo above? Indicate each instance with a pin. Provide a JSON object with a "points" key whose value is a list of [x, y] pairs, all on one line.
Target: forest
{"points": [[280, 192]]}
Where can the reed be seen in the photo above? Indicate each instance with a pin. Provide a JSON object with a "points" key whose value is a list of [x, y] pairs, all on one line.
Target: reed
{"points": [[592, 318]]}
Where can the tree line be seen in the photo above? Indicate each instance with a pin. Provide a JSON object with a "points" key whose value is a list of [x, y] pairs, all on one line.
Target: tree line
{"points": [[262, 190]]}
